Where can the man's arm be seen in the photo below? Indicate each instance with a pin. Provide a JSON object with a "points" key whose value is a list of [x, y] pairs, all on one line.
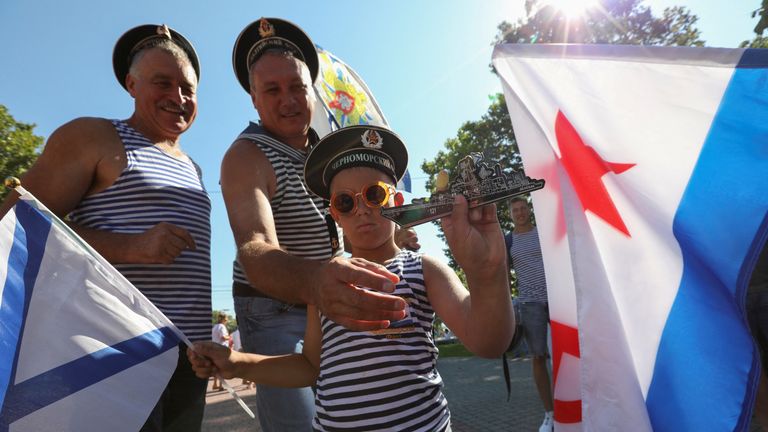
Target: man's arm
{"points": [[247, 183], [83, 157]]}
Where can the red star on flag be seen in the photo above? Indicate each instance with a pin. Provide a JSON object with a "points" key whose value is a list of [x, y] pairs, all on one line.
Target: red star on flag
{"points": [[586, 168]]}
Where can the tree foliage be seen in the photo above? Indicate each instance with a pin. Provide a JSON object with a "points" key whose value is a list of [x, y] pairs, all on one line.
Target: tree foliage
{"points": [[18, 146], [759, 41], [612, 22], [492, 136]]}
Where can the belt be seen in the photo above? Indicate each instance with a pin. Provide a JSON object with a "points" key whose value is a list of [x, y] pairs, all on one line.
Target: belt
{"points": [[243, 290]]}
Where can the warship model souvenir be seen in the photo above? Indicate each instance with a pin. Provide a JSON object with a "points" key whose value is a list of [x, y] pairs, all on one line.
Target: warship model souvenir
{"points": [[480, 183]]}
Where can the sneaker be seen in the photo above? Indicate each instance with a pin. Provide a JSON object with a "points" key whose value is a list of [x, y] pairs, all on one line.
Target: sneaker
{"points": [[548, 424]]}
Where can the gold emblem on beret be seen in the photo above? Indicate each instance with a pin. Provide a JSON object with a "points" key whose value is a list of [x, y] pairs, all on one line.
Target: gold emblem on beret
{"points": [[372, 139], [266, 29], [164, 31]]}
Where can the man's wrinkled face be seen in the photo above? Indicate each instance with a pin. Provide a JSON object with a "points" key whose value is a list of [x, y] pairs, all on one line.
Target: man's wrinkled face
{"points": [[281, 91], [165, 90]]}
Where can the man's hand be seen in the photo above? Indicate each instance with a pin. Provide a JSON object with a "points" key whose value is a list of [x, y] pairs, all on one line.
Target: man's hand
{"points": [[161, 244], [406, 238], [209, 359], [350, 292], [474, 237]]}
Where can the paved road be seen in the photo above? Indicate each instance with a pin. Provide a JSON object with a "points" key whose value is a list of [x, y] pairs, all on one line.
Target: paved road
{"points": [[474, 388]]}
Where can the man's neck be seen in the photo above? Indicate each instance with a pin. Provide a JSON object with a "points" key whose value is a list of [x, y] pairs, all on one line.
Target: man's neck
{"points": [[168, 144], [153, 136], [520, 229]]}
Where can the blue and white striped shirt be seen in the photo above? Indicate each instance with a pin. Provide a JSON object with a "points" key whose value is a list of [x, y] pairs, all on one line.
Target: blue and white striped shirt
{"points": [[298, 213], [384, 380], [526, 259], [155, 187]]}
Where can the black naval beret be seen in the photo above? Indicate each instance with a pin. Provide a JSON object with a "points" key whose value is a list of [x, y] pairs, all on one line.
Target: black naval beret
{"points": [[138, 38], [353, 146], [265, 33]]}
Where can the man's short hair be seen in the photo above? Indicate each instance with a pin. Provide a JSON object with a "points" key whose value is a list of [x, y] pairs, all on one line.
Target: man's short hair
{"points": [[517, 199], [161, 44]]}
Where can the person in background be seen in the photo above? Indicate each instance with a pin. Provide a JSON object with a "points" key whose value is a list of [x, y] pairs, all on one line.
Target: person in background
{"points": [[220, 335], [524, 253]]}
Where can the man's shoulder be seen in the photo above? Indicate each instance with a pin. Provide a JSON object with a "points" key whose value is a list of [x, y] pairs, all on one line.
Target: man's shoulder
{"points": [[86, 134], [254, 131], [89, 125]]}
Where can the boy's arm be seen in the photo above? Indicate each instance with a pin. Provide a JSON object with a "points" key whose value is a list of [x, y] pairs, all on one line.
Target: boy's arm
{"points": [[290, 370], [483, 321]]}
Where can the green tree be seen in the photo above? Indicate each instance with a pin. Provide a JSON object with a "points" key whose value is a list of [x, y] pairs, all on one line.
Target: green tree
{"points": [[492, 135], [759, 40], [18, 146], [612, 22]]}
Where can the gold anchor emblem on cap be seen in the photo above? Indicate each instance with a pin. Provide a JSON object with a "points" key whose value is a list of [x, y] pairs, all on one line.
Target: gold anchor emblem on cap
{"points": [[163, 30], [372, 139], [266, 29]]}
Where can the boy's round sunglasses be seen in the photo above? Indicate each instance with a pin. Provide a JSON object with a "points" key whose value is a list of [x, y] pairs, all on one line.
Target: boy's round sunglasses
{"points": [[374, 196]]}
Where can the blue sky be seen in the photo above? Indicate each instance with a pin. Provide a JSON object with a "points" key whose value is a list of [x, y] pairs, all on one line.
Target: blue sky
{"points": [[425, 61]]}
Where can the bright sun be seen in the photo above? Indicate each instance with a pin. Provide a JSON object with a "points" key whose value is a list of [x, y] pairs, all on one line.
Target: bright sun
{"points": [[571, 8]]}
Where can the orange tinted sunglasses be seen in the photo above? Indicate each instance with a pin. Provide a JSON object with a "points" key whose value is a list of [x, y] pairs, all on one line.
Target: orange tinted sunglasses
{"points": [[374, 196]]}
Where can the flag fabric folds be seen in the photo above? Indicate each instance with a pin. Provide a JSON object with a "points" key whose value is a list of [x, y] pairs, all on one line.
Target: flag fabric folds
{"points": [[343, 99], [653, 216], [81, 349]]}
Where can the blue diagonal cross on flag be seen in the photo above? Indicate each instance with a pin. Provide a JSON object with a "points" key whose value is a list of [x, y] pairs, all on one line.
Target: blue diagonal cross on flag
{"points": [[81, 349]]}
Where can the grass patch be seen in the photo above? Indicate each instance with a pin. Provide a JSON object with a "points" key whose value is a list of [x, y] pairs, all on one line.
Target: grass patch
{"points": [[453, 350]]}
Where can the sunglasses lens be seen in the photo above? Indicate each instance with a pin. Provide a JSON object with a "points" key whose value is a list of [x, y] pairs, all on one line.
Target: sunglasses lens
{"points": [[343, 203], [376, 195]]}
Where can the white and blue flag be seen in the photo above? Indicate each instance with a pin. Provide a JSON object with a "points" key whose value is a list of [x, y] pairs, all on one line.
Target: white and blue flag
{"points": [[655, 211], [81, 349]]}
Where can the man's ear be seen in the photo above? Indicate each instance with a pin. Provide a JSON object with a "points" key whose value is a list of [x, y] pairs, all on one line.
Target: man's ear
{"points": [[130, 84]]}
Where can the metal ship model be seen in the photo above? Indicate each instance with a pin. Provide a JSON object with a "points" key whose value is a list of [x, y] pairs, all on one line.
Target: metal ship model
{"points": [[480, 183]]}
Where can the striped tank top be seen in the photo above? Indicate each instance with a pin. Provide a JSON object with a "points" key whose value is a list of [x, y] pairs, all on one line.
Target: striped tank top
{"points": [[299, 215], [525, 256], [155, 187], [384, 380]]}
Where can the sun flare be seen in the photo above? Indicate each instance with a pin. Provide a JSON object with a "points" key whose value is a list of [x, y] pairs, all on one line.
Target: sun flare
{"points": [[571, 8]]}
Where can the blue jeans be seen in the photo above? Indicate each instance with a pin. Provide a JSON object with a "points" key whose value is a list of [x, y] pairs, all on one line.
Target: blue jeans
{"points": [[534, 317], [271, 327], [182, 404]]}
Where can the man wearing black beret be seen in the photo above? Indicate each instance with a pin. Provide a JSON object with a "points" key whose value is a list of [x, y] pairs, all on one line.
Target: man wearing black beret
{"points": [[131, 192], [288, 252]]}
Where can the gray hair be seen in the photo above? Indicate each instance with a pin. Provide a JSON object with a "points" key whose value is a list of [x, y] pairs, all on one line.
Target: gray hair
{"points": [[162, 44]]}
